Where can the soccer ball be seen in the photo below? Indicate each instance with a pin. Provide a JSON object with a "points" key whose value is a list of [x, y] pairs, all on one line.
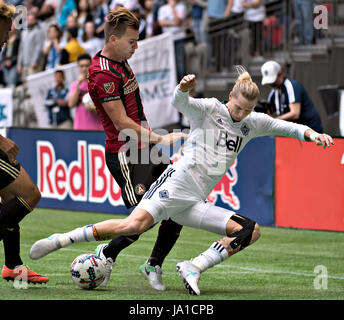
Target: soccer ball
{"points": [[87, 100], [87, 271]]}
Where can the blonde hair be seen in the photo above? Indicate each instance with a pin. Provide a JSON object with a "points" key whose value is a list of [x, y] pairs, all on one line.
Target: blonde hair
{"points": [[117, 22], [245, 86], [6, 11]]}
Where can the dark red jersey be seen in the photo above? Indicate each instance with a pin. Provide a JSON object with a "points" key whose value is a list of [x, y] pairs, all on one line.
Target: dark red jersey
{"points": [[111, 80]]}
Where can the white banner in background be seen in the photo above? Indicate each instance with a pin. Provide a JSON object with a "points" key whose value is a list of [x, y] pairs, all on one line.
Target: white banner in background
{"points": [[6, 107], [38, 85], [155, 69]]}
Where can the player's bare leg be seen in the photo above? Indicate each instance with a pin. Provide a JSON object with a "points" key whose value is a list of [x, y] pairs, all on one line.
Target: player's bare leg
{"points": [[137, 222], [241, 231]]}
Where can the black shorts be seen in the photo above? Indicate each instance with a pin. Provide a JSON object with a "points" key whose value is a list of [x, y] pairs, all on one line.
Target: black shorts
{"points": [[135, 174], [8, 171]]}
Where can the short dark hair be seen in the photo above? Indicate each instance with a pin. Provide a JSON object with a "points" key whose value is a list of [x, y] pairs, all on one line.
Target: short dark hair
{"points": [[73, 32], [84, 56], [59, 71]]}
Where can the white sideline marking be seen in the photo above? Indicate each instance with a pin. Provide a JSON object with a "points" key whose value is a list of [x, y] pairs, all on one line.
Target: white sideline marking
{"points": [[246, 269], [136, 273]]}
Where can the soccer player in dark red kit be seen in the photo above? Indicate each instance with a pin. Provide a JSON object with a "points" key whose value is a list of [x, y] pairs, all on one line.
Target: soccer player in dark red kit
{"points": [[115, 93], [19, 195]]}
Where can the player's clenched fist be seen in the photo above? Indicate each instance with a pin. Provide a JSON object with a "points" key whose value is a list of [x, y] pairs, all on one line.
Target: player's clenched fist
{"points": [[187, 83]]}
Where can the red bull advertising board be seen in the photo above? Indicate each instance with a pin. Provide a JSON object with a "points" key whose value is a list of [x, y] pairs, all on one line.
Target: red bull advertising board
{"points": [[309, 185], [70, 170]]}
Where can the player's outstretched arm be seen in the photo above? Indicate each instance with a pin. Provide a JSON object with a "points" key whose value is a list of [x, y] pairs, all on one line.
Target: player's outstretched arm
{"points": [[321, 139]]}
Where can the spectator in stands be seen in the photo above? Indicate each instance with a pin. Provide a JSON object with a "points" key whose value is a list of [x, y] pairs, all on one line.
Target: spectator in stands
{"points": [[73, 48], [72, 22], [152, 8], [197, 22], [171, 18], [237, 6], [86, 117], [63, 10], [148, 15], [46, 17], [47, 11], [289, 98], [100, 15], [218, 9], [57, 104], [139, 13], [89, 41], [83, 12], [10, 57], [303, 10], [254, 13], [30, 48], [52, 48]]}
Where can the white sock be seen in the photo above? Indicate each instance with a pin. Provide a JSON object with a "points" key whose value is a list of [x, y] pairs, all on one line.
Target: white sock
{"points": [[209, 258], [83, 234]]}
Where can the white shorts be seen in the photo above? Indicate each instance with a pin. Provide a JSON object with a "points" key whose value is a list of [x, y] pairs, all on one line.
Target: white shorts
{"points": [[173, 196]]}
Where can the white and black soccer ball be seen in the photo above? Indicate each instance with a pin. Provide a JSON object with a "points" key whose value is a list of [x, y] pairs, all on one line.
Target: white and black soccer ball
{"points": [[88, 271]]}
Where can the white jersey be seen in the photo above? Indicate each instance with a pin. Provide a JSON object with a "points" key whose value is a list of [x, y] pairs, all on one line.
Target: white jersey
{"points": [[215, 140], [213, 144]]}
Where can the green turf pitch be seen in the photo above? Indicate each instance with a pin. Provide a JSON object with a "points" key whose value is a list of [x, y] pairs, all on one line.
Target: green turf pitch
{"points": [[280, 265]]}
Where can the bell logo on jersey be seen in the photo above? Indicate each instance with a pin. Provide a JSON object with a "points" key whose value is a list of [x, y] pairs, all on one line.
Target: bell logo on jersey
{"points": [[225, 141]]}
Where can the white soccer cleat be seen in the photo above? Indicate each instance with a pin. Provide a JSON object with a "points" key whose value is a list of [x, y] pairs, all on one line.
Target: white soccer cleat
{"points": [[44, 246], [107, 261], [153, 275], [190, 275]]}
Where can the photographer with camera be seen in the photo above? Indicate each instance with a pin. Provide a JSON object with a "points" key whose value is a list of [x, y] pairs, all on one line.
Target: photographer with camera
{"points": [[288, 98]]}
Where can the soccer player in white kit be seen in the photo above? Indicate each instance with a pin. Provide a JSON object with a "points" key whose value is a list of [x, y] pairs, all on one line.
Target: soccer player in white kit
{"points": [[218, 132]]}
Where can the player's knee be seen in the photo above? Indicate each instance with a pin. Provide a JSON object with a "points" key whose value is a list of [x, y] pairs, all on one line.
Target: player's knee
{"points": [[36, 196], [32, 196], [245, 233]]}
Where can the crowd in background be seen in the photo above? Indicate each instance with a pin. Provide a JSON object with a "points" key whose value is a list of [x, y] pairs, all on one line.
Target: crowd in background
{"points": [[59, 31]]}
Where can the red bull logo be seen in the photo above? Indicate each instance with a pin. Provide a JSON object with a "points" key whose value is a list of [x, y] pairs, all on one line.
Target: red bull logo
{"points": [[84, 179], [224, 188]]}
